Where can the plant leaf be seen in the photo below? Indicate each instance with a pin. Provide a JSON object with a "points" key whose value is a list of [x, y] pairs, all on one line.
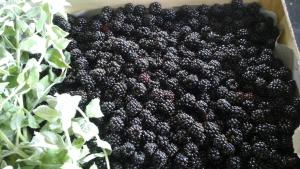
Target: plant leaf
{"points": [[17, 119], [84, 129], [46, 113], [34, 44], [56, 59], [93, 109], [66, 106], [94, 166]]}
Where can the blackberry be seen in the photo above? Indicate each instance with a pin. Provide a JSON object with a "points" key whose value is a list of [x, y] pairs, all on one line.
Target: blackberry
{"points": [[139, 90], [81, 63], [148, 119], [184, 120], [163, 128], [223, 105], [233, 123], [128, 8], [150, 148], [162, 141], [260, 150], [234, 136], [139, 10], [214, 155], [246, 150], [277, 87], [135, 121], [138, 158], [144, 78], [160, 95], [62, 23], [285, 126], [190, 149], [192, 40], [188, 100], [211, 129], [231, 84], [117, 166], [234, 162], [247, 128], [86, 80], [155, 8], [159, 159], [265, 129], [120, 89], [151, 105], [134, 132], [168, 14], [197, 131], [126, 150], [181, 161], [249, 76], [148, 136], [179, 137], [116, 124], [221, 143], [191, 81], [171, 149], [133, 107]]}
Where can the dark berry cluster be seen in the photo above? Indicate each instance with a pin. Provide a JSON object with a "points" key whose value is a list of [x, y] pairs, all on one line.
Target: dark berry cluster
{"points": [[196, 87]]}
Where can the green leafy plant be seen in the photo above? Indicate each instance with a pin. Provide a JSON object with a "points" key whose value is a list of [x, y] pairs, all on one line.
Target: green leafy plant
{"points": [[38, 130]]}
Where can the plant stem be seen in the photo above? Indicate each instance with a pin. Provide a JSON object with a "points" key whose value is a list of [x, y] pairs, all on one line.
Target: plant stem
{"points": [[11, 95], [11, 146], [18, 50], [83, 114], [106, 159]]}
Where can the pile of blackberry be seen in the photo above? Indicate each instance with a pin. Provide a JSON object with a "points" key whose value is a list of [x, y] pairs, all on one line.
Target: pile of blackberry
{"points": [[196, 87]]}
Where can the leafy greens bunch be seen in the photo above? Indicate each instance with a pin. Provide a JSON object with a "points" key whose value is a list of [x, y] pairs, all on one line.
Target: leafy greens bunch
{"points": [[38, 130]]}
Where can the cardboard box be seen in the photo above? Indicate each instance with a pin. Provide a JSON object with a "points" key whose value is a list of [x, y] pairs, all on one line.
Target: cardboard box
{"points": [[286, 47]]}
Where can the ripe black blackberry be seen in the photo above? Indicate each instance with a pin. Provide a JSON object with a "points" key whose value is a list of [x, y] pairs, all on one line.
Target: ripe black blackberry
{"points": [[133, 107], [171, 149], [126, 150], [181, 161], [139, 89], [211, 129], [159, 159], [265, 129], [214, 155], [162, 128], [155, 8], [190, 149], [168, 14], [138, 158], [139, 10], [184, 120], [148, 119], [234, 162], [150, 148], [191, 81], [116, 124], [277, 87], [62, 23], [188, 100], [259, 115], [148, 136], [223, 105], [120, 89], [260, 150], [234, 136]]}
